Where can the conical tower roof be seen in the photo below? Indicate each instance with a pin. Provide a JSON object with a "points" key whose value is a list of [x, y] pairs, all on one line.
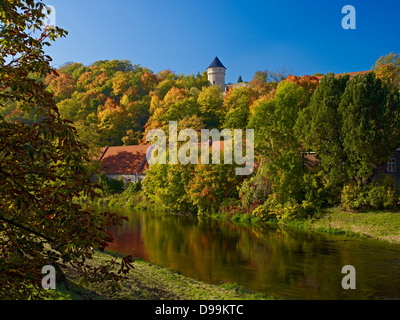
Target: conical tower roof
{"points": [[216, 63]]}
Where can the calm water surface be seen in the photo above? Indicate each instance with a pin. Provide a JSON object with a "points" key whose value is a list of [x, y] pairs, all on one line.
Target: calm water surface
{"points": [[283, 263]]}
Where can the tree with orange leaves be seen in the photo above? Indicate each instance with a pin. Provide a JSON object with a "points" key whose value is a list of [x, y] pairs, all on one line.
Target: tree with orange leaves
{"points": [[387, 68]]}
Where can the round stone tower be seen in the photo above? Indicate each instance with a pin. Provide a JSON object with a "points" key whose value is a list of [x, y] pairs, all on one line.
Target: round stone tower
{"points": [[216, 73]]}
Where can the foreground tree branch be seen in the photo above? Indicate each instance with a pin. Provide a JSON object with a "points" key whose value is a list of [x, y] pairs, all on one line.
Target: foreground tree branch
{"points": [[43, 167]]}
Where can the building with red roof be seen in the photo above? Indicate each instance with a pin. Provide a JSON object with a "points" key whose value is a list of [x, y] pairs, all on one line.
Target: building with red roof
{"points": [[128, 162]]}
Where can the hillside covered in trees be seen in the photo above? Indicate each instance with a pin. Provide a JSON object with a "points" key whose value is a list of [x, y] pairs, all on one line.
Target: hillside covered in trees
{"points": [[349, 125], [116, 102]]}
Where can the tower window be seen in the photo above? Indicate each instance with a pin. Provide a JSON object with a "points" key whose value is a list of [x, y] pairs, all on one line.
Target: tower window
{"points": [[213, 82], [391, 165]]}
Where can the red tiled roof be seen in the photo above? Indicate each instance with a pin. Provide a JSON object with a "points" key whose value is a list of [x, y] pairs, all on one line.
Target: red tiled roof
{"points": [[131, 159], [124, 159]]}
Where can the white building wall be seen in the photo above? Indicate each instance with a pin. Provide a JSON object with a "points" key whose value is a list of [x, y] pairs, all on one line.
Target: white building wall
{"points": [[127, 177], [216, 76]]}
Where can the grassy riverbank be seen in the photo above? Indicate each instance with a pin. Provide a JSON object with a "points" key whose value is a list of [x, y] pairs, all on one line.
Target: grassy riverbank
{"points": [[383, 225], [150, 282]]}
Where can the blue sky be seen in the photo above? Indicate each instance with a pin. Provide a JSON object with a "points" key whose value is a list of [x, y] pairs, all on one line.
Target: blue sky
{"points": [[304, 36]]}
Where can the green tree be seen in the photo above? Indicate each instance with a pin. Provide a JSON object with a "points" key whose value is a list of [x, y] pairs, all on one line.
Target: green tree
{"points": [[179, 103], [276, 142], [319, 126], [90, 101], [167, 186], [113, 122], [370, 113], [112, 66], [236, 107], [211, 185], [262, 76], [163, 87], [175, 106], [69, 109], [192, 81], [75, 69], [42, 167], [121, 81], [210, 100]]}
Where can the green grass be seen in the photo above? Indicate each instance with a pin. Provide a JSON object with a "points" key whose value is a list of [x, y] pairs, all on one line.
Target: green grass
{"points": [[150, 282], [73, 292], [382, 225], [291, 224], [246, 219]]}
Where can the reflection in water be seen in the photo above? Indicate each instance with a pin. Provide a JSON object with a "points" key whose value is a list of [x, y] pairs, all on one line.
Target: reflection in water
{"points": [[283, 263]]}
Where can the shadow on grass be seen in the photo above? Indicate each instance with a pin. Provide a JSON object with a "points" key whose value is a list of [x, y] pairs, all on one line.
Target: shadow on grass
{"points": [[72, 291]]}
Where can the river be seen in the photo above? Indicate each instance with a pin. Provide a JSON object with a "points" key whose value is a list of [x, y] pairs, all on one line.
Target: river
{"points": [[280, 262]]}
